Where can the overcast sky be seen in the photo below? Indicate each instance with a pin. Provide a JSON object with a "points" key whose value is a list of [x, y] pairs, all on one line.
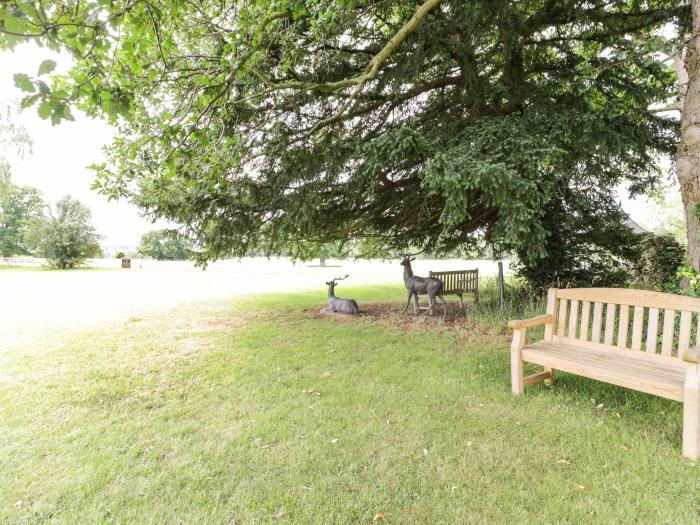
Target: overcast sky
{"points": [[61, 154]]}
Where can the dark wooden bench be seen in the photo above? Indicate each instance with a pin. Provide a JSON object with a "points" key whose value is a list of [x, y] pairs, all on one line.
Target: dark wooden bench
{"points": [[458, 283]]}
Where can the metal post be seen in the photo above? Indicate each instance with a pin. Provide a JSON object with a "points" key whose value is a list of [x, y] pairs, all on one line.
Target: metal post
{"points": [[500, 283]]}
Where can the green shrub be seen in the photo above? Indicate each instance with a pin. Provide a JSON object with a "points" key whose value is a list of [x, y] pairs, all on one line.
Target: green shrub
{"points": [[659, 262]]}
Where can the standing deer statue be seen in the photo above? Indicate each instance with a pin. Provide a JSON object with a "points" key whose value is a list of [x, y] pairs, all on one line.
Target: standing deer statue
{"points": [[431, 286], [336, 304]]}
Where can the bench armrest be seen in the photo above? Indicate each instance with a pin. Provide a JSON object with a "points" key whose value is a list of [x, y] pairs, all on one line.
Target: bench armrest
{"points": [[535, 321], [692, 355]]}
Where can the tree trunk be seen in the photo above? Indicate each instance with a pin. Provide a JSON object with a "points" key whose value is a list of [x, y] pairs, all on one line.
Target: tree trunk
{"points": [[322, 261], [688, 155]]}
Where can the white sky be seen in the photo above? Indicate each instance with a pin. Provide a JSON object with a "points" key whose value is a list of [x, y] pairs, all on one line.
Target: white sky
{"points": [[61, 154]]}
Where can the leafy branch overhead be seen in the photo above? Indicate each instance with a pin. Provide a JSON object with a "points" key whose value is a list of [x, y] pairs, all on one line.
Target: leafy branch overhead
{"points": [[435, 125]]}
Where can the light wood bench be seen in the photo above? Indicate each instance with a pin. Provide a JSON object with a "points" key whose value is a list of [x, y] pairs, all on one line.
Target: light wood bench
{"points": [[632, 338], [458, 283]]}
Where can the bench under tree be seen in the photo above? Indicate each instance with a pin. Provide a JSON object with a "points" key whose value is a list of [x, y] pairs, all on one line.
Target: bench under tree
{"points": [[459, 282], [637, 339]]}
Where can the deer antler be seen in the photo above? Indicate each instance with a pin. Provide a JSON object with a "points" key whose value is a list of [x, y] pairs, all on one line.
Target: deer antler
{"points": [[341, 278], [412, 256]]}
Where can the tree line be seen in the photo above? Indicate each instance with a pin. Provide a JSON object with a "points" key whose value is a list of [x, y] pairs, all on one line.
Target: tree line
{"points": [[61, 233]]}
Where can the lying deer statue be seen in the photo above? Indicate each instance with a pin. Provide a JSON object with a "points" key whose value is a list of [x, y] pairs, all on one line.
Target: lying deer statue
{"points": [[336, 304], [431, 286]]}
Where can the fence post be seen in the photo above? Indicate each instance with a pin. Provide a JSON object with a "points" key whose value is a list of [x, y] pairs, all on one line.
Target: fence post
{"points": [[500, 283]]}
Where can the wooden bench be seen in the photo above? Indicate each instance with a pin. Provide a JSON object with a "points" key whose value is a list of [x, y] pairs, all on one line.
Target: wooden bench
{"points": [[458, 283], [632, 338]]}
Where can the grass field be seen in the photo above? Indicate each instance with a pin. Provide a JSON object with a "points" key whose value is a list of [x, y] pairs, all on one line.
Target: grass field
{"points": [[242, 412]]}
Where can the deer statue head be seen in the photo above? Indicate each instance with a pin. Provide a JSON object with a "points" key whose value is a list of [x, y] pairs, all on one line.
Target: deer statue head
{"points": [[407, 260], [331, 284]]}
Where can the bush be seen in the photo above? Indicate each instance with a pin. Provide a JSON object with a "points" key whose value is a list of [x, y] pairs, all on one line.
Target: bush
{"points": [[119, 255], [659, 262]]}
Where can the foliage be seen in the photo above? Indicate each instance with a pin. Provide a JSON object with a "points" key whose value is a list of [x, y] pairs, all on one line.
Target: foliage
{"points": [[13, 139], [664, 212], [19, 206], [269, 125], [119, 255], [588, 242], [659, 262], [325, 250], [686, 282], [65, 236], [165, 245]]}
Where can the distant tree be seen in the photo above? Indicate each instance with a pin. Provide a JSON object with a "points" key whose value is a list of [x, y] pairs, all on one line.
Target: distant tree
{"points": [[19, 206], [325, 250], [65, 236], [119, 255], [166, 245]]}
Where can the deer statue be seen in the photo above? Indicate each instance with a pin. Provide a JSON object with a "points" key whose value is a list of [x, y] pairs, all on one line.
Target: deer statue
{"points": [[336, 304], [431, 286]]}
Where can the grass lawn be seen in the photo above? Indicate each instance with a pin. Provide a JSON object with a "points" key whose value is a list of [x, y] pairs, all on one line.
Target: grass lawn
{"points": [[256, 412]]}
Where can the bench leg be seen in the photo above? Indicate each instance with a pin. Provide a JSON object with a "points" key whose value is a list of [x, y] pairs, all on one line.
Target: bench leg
{"points": [[551, 379], [516, 362], [691, 414]]}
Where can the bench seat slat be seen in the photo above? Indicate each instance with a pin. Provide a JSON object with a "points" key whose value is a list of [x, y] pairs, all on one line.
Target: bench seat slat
{"points": [[611, 367]]}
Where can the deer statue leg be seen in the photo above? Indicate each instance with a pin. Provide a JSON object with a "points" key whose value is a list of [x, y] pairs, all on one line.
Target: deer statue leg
{"points": [[431, 304], [461, 302], [416, 309], [410, 293]]}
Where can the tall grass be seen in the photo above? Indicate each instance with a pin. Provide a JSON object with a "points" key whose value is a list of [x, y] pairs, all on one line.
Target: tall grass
{"points": [[521, 302]]}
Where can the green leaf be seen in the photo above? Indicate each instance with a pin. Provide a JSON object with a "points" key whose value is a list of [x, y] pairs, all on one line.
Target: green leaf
{"points": [[47, 66], [45, 109], [29, 100], [23, 82]]}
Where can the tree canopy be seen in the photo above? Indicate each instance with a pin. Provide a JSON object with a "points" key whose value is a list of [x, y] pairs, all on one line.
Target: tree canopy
{"points": [[432, 125], [65, 236], [165, 245]]}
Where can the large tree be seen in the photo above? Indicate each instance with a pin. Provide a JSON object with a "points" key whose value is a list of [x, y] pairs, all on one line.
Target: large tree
{"points": [[433, 125], [65, 236], [688, 155], [19, 207]]}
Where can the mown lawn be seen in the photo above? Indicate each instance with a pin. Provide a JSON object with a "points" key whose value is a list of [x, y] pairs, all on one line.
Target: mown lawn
{"points": [[256, 412]]}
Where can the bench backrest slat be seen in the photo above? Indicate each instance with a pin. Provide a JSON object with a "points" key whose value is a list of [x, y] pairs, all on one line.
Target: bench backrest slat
{"points": [[637, 327], [655, 326], [669, 326], [573, 318], [684, 332], [610, 323], [585, 320], [652, 330], [458, 281], [597, 322], [623, 326]]}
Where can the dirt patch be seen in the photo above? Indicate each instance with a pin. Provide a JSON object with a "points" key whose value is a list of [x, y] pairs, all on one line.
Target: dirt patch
{"points": [[393, 314]]}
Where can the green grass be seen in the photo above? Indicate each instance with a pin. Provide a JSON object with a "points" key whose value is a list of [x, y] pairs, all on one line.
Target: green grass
{"points": [[258, 412], [52, 269]]}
